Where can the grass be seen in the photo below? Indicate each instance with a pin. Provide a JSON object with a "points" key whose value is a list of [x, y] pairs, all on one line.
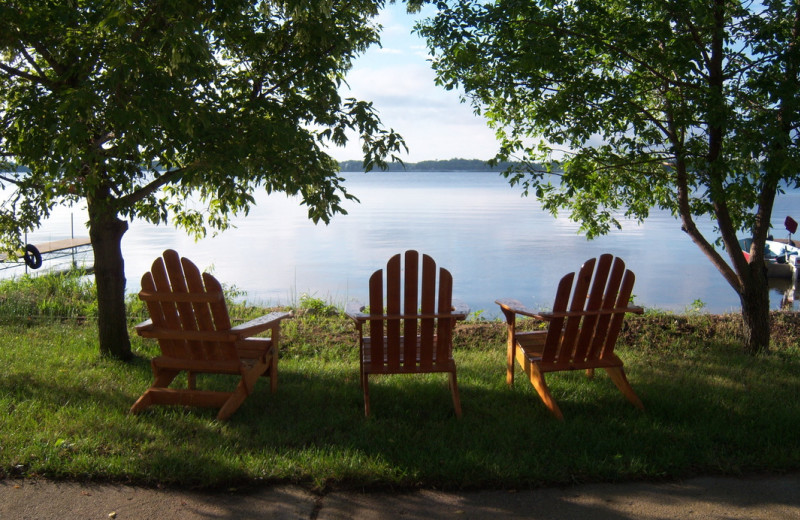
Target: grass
{"points": [[710, 410]]}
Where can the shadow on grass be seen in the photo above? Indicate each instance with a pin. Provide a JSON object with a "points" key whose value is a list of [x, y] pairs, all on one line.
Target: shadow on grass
{"points": [[314, 430], [708, 412], [94, 385]]}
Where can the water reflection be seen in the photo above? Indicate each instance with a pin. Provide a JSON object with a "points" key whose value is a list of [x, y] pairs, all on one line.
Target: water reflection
{"points": [[496, 244]]}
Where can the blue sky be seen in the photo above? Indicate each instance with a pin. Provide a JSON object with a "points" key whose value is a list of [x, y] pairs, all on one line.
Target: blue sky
{"points": [[398, 79]]}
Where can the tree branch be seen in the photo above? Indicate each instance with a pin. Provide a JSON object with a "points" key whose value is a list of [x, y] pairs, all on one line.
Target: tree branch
{"points": [[50, 59], [9, 180], [32, 62], [156, 184], [11, 71]]}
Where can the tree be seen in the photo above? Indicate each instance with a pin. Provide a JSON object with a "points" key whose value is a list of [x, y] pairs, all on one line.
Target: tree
{"points": [[175, 109], [688, 105]]}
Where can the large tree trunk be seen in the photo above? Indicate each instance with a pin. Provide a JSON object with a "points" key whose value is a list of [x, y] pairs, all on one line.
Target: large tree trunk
{"points": [[755, 310], [106, 231]]}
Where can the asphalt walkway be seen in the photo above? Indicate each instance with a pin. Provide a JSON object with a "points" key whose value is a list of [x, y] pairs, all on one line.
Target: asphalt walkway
{"points": [[755, 497]]}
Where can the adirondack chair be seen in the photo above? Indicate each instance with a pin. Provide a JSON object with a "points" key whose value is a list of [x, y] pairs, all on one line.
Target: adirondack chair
{"points": [[582, 331], [414, 334], [190, 320]]}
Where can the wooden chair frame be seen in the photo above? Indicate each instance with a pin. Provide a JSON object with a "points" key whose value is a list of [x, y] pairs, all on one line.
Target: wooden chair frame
{"points": [[189, 318], [412, 311], [582, 328]]}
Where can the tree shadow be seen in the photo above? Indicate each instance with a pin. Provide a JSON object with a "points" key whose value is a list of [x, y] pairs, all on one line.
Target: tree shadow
{"points": [[313, 430]]}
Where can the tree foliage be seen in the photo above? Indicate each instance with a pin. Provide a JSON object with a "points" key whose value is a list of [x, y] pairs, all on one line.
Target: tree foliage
{"points": [[687, 105], [177, 109], [212, 99]]}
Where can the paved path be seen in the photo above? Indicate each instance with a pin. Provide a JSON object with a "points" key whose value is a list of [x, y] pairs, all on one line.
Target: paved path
{"points": [[763, 497]]}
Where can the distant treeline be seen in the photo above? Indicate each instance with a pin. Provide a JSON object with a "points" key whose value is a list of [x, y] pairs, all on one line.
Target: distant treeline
{"points": [[446, 165]]}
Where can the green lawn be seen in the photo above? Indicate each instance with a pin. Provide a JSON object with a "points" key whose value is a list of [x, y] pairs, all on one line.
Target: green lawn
{"points": [[709, 410]]}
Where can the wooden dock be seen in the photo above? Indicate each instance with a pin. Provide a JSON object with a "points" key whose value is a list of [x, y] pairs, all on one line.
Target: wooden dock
{"points": [[56, 246]]}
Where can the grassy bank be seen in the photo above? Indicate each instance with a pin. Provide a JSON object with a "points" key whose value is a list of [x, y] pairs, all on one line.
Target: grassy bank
{"points": [[709, 409]]}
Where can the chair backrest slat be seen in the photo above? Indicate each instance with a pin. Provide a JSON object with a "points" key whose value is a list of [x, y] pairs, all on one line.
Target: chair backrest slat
{"points": [[410, 307], [427, 326], [553, 341], [595, 345], [165, 313], [376, 327], [572, 327], [444, 326], [177, 282], [199, 312], [393, 330], [156, 310], [615, 325], [219, 310], [593, 325]]}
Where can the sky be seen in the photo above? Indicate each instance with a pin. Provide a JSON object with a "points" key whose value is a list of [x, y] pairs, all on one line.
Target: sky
{"points": [[399, 80]]}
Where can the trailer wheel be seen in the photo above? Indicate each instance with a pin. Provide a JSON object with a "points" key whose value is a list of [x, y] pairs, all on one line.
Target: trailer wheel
{"points": [[32, 257]]}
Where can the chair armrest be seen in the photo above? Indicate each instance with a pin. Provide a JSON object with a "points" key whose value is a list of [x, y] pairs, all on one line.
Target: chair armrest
{"points": [[515, 306], [597, 312], [143, 326], [259, 324], [509, 304], [460, 309], [354, 311]]}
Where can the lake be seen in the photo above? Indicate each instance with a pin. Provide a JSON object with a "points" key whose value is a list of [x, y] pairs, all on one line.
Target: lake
{"points": [[494, 242]]}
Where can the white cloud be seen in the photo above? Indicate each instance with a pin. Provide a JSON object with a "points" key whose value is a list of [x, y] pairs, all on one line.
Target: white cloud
{"points": [[385, 50], [433, 121], [399, 81]]}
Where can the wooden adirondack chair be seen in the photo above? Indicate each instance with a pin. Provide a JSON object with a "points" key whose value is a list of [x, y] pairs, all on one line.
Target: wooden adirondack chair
{"points": [[414, 334], [582, 332], [190, 320]]}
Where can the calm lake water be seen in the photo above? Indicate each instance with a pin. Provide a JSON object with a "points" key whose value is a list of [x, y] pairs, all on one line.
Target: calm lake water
{"points": [[494, 242]]}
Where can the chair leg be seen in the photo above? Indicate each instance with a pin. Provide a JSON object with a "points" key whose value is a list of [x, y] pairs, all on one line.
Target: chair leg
{"points": [[273, 370], [511, 341], [617, 375], [365, 388], [537, 380], [510, 355], [233, 403], [245, 387], [145, 401], [454, 391], [161, 379], [510, 365]]}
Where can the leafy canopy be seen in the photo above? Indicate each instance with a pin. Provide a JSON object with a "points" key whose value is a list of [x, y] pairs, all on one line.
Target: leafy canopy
{"points": [[688, 105], [150, 108]]}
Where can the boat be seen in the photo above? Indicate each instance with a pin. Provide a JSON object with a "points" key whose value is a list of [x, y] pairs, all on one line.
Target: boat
{"points": [[780, 256]]}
